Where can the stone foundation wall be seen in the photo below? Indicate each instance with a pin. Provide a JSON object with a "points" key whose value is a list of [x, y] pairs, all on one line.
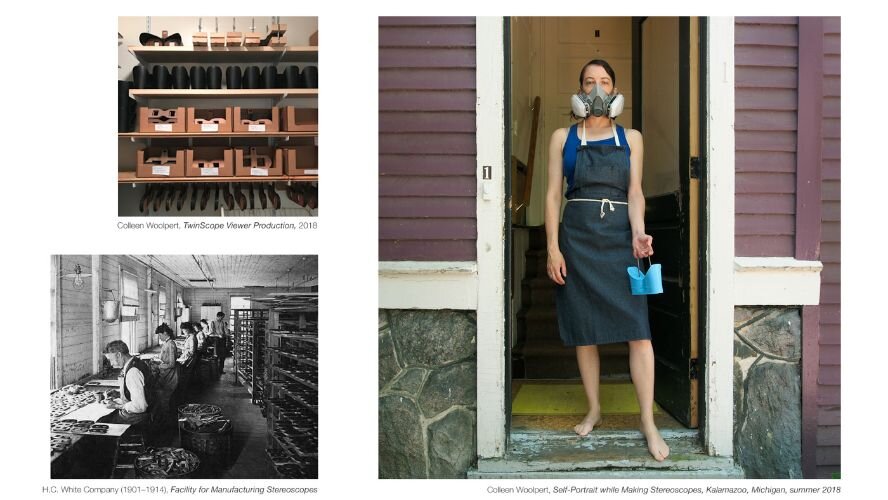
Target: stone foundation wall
{"points": [[427, 393], [767, 391]]}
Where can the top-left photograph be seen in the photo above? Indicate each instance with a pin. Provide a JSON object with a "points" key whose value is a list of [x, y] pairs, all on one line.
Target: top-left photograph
{"points": [[217, 116]]}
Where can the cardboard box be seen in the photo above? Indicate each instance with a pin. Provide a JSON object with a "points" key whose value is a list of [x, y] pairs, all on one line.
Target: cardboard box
{"points": [[313, 39], [301, 160], [300, 119], [195, 114], [174, 166], [174, 123], [244, 114], [243, 165], [198, 162], [252, 39], [200, 39], [234, 38]]}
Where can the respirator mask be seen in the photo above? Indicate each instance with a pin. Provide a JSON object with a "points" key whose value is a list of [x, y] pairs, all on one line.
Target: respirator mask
{"points": [[596, 103]]}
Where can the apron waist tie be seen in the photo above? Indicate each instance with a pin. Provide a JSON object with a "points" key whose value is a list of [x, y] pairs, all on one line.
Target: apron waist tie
{"points": [[609, 202]]}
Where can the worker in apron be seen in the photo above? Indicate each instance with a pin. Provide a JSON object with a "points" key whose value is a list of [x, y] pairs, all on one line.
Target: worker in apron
{"points": [[600, 235]]}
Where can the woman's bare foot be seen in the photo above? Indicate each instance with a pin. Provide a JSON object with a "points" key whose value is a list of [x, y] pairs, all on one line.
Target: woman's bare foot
{"points": [[592, 420], [656, 445]]}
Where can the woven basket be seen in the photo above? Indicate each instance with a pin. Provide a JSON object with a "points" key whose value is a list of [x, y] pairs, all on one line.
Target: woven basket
{"points": [[143, 474], [210, 446], [194, 409]]}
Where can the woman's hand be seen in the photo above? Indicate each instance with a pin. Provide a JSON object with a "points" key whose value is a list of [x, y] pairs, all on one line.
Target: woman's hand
{"points": [[556, 268], [642, 246]]}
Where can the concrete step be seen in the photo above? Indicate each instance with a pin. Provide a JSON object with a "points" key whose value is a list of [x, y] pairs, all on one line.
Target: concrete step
{"points": [[604, 454]]}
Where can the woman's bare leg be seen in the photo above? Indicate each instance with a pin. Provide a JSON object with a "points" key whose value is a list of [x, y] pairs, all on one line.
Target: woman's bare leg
{"points": [[641, 366], [590, 368]]}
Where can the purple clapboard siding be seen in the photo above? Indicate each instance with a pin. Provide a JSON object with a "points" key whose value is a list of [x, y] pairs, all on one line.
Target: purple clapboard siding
{"points": [[429, 100], [424, 186], [829, 379], [787, 199], [431, 206], [766, 81], [420, 165], [427, 141], [442, 122]]}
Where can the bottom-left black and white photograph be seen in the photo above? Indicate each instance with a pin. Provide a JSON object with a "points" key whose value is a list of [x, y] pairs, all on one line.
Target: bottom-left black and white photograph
{"points": [[184, 366]]}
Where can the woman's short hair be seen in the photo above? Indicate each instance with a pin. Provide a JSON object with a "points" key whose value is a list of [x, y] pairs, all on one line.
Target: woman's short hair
{"points": [[205, 322], [116, 346], [187, 327]]}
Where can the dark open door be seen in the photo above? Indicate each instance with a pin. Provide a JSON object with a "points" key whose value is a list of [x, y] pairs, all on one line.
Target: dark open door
{"points": [[664, 114]]}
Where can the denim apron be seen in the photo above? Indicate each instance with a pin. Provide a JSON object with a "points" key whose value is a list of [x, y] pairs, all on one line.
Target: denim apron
{"points": [[596, 305]]}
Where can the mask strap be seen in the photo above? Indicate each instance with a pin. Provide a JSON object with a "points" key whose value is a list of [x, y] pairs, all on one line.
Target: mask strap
{"points": [[584, 132], [616, 137]]}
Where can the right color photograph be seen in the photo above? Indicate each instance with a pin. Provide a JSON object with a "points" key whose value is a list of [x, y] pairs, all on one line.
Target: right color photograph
{"points": [[609, 247]]}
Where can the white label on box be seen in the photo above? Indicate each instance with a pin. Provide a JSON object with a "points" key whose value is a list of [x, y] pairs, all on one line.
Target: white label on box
{"points": [[259, 171], [160, 170], [209, 171], [163, 127], [209, 127], [256, 128], [312, 171]]}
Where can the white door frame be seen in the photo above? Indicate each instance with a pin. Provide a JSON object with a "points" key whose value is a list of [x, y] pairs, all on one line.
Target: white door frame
{"points": [[718, 420], [491, 220], [491, 375]]}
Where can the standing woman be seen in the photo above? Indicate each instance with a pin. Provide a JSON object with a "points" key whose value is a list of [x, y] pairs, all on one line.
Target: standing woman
{"points": [[203, 330], [167, 373], [187, 360], [601, 234]]}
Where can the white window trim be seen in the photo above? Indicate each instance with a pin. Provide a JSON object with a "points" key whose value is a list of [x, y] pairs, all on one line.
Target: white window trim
{"points": [[777, 281], [428, 285]]}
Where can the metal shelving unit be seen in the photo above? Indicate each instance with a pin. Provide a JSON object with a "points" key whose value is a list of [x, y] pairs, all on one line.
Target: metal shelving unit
{"points": [[292, 381], [249, 350]]}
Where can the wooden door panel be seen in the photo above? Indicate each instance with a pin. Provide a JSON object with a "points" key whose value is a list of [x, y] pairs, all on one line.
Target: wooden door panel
{"points": [[667, 211]]}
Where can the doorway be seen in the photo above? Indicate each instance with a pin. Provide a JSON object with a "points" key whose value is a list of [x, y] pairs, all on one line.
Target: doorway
{"points": [[658, 70], [237, 302]]}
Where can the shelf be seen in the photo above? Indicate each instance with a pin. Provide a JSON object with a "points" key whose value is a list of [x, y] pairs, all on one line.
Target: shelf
{"points": [[295, 357], [309, 362], [294, 397], [292, 448], [296, 379], [276, 414], [224, 54], [221, 93], [290, 335], [186, 135], [130, 178]]}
